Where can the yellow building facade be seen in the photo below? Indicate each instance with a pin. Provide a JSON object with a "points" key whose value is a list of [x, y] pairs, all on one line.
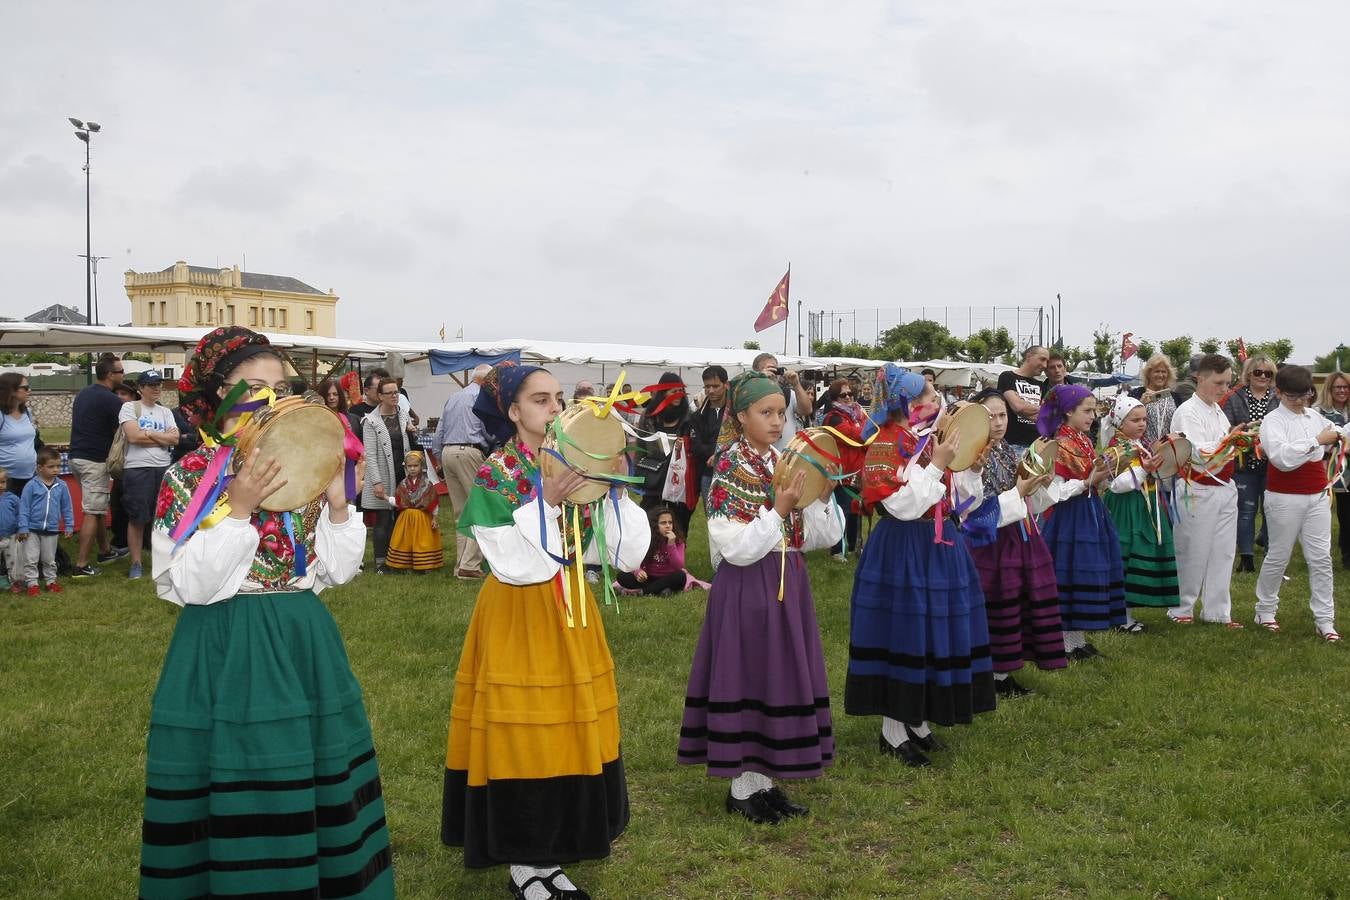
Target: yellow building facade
{"points": [[189, 296]]}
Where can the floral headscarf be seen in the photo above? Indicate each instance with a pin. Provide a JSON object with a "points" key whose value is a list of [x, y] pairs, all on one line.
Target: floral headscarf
{"points": [[495, 397], [895, 388], [218, 353], [1056, 406]]}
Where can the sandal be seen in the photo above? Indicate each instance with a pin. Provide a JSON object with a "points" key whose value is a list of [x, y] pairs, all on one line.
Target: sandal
{"points": [[1271, 626], [1330, 637], [1181, 620], [1233, 626]]}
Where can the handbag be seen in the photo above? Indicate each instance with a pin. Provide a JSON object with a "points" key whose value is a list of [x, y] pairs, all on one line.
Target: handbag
{"points": [[675, 489], [117, 453]]}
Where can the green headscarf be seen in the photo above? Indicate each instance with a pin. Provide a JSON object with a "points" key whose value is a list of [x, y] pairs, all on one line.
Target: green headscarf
{"points": [[744, 391]]}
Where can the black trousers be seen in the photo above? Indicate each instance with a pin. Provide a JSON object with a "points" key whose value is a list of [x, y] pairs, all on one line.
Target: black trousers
{"points": [[381, 531], [655, 584], [1343, 523]]}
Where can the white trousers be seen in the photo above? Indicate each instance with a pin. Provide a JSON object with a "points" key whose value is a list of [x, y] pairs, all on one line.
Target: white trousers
{"points": [[1305, 518], [1206, 541], [39, 548]]}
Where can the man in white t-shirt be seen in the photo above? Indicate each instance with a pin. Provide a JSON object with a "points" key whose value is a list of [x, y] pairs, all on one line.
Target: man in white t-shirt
{"points": [[799, 405], [151, 436]]}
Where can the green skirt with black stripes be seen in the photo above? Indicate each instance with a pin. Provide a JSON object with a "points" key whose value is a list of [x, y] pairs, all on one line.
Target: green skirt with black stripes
{"points": [[1149, 558], [261, 777]]}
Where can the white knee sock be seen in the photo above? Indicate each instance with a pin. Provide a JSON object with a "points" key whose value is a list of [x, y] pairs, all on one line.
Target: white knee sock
{"points": [[747, 784], [1129, 616], [1074, 640], [921, 730], [1000, 676], [893, 731], [536, 891]]}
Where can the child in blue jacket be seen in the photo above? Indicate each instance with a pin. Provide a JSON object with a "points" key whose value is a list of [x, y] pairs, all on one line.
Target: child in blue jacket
{"points": [[9, 526], [45, 511]]}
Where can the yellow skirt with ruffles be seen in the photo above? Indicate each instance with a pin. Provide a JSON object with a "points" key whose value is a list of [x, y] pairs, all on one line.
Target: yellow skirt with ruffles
{"points": [[533, 768], [414, 544]]}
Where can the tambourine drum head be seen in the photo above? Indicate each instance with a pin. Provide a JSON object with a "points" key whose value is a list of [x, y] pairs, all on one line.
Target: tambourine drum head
{"points": [[972, 422], [307, 439], [1039, 458], [602, 436], [1174, 454], [797, 458]]}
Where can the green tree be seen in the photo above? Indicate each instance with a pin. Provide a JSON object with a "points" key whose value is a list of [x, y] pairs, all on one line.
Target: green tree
{"points": [[1178, 350], [1279, 350], [836, 347], [1146, 350], [750, 345], [1103, 349], [988, 344], [919, 340], [1335, 361], [1233, 347], [1209, 345]]}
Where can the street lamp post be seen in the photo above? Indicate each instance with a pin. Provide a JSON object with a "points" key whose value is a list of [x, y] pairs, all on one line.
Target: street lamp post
{"points": [[85, 131]]}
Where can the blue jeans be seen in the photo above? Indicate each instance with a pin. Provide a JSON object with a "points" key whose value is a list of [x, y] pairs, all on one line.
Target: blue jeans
{"points": [[1251, 486]]}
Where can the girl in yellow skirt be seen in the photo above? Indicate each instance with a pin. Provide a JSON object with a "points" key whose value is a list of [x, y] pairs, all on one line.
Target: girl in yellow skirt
{"points": [[416, 541], [533, 773]]}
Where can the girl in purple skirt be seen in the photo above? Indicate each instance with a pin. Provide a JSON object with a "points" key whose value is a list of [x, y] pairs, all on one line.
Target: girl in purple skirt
{"points": [[758, 703], [1017, 574]]}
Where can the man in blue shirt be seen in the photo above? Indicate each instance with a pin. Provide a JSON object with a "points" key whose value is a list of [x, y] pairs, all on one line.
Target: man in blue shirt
{"points": [[463, 442], [93, 423]]}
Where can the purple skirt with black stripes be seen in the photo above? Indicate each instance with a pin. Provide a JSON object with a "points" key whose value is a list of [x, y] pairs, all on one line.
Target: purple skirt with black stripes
{"points": [[758, 699]]}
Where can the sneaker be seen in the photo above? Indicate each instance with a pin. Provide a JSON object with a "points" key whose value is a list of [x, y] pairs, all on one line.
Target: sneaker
{"points": [[135, 571], [54, 588], [33, 590], [114, 553], [85, 571], [16, 588]]}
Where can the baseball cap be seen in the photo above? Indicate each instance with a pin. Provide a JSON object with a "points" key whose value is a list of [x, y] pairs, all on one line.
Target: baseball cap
{"points": [[150, 376]]}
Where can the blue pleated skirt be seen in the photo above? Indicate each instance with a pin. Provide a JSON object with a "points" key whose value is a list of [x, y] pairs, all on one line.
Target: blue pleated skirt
{"points": [[1082, 539], [918, 637]]}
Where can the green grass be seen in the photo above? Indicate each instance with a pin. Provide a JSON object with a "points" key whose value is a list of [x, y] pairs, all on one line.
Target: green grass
{"points": [[1191, 762]]}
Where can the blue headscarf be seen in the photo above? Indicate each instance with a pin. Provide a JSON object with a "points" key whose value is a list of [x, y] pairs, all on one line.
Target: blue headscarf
{"points": [[895, 388], [1056, 406], [496, 396]]}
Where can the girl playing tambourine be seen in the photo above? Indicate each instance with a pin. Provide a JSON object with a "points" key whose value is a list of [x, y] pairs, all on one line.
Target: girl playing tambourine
{"points": [[260, 771]]}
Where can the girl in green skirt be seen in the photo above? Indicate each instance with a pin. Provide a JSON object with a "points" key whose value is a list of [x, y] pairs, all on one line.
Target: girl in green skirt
{"points": [[1136, 506], [261, 777]]}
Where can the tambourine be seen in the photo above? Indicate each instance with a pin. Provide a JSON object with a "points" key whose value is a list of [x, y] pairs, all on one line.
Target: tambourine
{"points": [[1119, 457], [305, 437], [1038, 459], [971, 421], [1174, 455], [815, 452], [588, 444]]}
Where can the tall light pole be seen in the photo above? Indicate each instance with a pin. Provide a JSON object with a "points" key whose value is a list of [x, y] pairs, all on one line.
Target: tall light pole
{"points": [[85, 131]]}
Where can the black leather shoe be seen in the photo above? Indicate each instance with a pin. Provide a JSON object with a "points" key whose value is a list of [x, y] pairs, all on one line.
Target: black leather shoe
{"points": [[911, 754], [1246, 563], [777, 800], [1011, 687], [1092, 651], [755, 808], [928, 743], [518, 890]]}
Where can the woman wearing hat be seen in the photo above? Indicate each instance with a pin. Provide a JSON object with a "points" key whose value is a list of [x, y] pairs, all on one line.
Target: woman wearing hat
{"points": [[151, 434], [758, 702], [533, 773], [919, 639], [1078, 531], [261, 776], [1148, 557]]}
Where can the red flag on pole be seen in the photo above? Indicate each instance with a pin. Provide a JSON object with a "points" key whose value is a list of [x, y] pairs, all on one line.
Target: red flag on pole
{"points": [[1128, 347], [1242, 350], [776, 309]]}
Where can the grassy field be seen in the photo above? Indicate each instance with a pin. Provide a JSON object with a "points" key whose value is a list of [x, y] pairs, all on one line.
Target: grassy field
{"points": [[1190, 762]]}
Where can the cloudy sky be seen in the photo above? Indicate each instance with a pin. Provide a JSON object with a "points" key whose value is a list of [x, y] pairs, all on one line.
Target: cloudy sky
{"points": [[644, 171]]}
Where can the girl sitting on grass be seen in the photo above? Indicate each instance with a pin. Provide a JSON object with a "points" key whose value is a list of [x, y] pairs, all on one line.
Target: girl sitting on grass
{"points": [[663, 571]]}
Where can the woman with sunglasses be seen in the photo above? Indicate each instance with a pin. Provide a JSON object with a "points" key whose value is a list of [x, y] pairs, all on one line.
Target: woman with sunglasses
{"points": [[1249, 402], [843, 413], [1296, 439], [1335, 405], [18, 433]]}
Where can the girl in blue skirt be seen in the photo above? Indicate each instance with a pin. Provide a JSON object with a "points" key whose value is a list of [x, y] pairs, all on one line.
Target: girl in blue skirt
{"points": [[261, 777], [918, 639], [1079, 532]]}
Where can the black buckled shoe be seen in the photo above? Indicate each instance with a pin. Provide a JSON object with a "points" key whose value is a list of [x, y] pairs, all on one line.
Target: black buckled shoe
{"points": [[755, 808], [928, 743], [554, 892], [911, 754], [778, 801], [1011, 687]]}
